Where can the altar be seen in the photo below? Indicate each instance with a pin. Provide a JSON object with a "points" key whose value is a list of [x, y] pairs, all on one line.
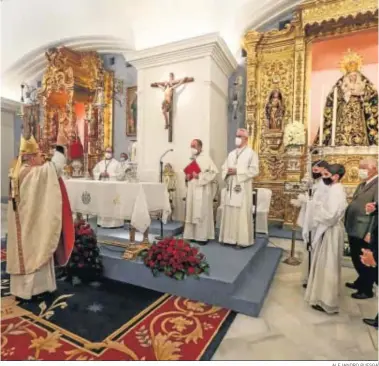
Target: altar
{"points": [[119, 200]]}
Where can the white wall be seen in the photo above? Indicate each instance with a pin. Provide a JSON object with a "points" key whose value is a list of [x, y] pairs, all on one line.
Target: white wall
{"points": [[7, 147], [200, 108]]}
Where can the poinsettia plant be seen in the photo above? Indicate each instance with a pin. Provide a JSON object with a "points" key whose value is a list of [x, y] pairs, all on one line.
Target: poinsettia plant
{"points": [[175, 258], [85, 262]]}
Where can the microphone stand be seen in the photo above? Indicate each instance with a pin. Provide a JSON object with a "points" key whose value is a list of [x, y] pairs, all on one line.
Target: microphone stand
{"points": [[160, 237]]}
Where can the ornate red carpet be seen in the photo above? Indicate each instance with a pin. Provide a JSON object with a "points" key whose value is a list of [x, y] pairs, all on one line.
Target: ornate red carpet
{"points": [[171, 329], [108, 320]]}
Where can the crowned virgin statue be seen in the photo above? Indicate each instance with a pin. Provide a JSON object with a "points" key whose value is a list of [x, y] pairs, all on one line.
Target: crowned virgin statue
{"points": [[357, 107]]}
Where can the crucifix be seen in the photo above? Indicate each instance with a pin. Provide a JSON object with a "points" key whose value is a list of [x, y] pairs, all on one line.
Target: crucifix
{"points": [[168, 88]]}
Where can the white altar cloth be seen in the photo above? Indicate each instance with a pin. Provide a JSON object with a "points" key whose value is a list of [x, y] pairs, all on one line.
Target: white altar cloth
{"points": [[119, 200]]}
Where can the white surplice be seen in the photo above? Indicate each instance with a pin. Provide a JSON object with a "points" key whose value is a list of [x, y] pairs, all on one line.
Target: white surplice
{"points": [[307, 223], [324, 281], [125, 166], [115, 172], [199, 222], [237, 220]]}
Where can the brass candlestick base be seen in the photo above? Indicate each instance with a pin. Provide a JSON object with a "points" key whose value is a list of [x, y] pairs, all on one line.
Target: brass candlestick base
{"points": [[292, 261]]}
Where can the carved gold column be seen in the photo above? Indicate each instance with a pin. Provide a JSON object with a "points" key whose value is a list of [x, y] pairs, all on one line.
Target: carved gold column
{"points": [[250, 43]]}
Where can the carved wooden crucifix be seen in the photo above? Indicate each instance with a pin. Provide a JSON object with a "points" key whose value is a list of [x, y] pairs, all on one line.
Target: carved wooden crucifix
{"points": [[168, 88]]}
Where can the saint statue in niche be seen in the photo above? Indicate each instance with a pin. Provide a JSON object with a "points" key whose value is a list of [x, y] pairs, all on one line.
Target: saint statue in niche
{"points": [[356, 120], [275, 110], [132, 99]]}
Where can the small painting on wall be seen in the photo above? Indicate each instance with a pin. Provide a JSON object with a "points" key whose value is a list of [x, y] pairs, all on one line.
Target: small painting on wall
{"points": [[131, 111]]}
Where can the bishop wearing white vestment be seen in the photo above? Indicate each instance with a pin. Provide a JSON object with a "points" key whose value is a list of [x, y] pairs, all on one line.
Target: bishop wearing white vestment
{"points": [[324, 280], [109, 169], [199, 221], [40, 223], [238, 171]]}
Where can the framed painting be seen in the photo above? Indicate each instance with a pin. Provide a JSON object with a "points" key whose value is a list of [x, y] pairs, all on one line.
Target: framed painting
{"points": [[131, 111]]}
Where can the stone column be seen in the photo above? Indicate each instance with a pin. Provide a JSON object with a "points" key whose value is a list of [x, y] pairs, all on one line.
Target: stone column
{"points": [[199, 108]]}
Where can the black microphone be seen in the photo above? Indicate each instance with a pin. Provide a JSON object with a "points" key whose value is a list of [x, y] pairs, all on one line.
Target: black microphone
{"points": [[165, 153]]}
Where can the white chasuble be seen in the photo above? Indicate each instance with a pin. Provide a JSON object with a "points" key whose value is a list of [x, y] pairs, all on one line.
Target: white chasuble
{"points": [[115, 173], [324, 280], [34, 230], [199, 221], [237, 216]]}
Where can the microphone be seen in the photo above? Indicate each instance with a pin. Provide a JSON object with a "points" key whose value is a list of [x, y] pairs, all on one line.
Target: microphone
{"points": [[165, 153]]}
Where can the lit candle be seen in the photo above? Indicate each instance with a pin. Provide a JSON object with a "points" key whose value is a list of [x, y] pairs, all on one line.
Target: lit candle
{"points": [[309, 117], [334, 121], [322, 118]]}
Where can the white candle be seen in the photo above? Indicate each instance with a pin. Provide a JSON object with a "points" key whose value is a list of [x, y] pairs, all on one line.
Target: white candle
{"points": [[321, 135], [309, 117], [334, 121], [22, 109]]}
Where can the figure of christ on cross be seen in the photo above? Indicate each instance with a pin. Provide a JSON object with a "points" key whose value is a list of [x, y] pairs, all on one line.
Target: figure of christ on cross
{"points": [[168, 88]]}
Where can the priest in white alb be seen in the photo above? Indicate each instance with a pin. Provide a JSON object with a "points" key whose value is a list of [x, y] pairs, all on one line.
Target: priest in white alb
{"points": [[109, 169], [199, 221], [238, 171], [40, 224], [324, 282]]}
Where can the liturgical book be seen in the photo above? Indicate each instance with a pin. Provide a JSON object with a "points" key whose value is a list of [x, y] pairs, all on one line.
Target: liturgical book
{"points": [[192, 168]]}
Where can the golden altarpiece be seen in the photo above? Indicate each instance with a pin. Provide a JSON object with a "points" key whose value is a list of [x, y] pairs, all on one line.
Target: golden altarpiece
{"points": [[277, 93], [77, 101]]}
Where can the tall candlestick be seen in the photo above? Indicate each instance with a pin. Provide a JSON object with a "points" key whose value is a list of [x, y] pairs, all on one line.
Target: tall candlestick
{"points": [[322, 118], [334, 121], [309, 117]]}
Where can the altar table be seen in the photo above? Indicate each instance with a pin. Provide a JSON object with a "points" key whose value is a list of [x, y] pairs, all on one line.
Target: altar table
{"points": [[119, 200]]}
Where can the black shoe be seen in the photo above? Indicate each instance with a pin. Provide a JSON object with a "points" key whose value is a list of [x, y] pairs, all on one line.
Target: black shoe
{"points": [[202, 242], [318, 308], [362, 296], [305, 285], [371, 322], [351, 285]]}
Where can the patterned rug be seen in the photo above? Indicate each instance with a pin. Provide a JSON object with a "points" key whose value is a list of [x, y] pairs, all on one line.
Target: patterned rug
{"points": [[107, 320]]}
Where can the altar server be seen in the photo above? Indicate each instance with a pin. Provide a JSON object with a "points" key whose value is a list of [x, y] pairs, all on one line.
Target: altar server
{"points": [[238, 171], [109, 169], [40, 224], [125, 162], [324, 281], [305, 219], [199, 221]]}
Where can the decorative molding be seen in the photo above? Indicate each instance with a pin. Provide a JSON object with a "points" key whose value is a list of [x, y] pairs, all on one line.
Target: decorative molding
{"points": [[9, 105], [210, 45], [217, 89]]}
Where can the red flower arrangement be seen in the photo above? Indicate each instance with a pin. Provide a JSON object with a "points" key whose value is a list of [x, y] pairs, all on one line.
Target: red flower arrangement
{"points": [[175, 258]]}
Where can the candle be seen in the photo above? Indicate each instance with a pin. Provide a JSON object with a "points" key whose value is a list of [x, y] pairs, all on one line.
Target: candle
{"points": [[309, 117], [22, 109], [86, 137], [89, 115], [322, 118], [334, 121]]}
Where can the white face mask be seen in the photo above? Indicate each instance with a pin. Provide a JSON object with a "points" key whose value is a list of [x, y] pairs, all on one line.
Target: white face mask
{"points": [[238, 141], [122, 159], [108, 155], [363, 174], [193, 151]]}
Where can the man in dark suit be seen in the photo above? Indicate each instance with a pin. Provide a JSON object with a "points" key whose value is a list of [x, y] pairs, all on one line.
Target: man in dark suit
{"points": [[370, 256], [359, 226]]}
